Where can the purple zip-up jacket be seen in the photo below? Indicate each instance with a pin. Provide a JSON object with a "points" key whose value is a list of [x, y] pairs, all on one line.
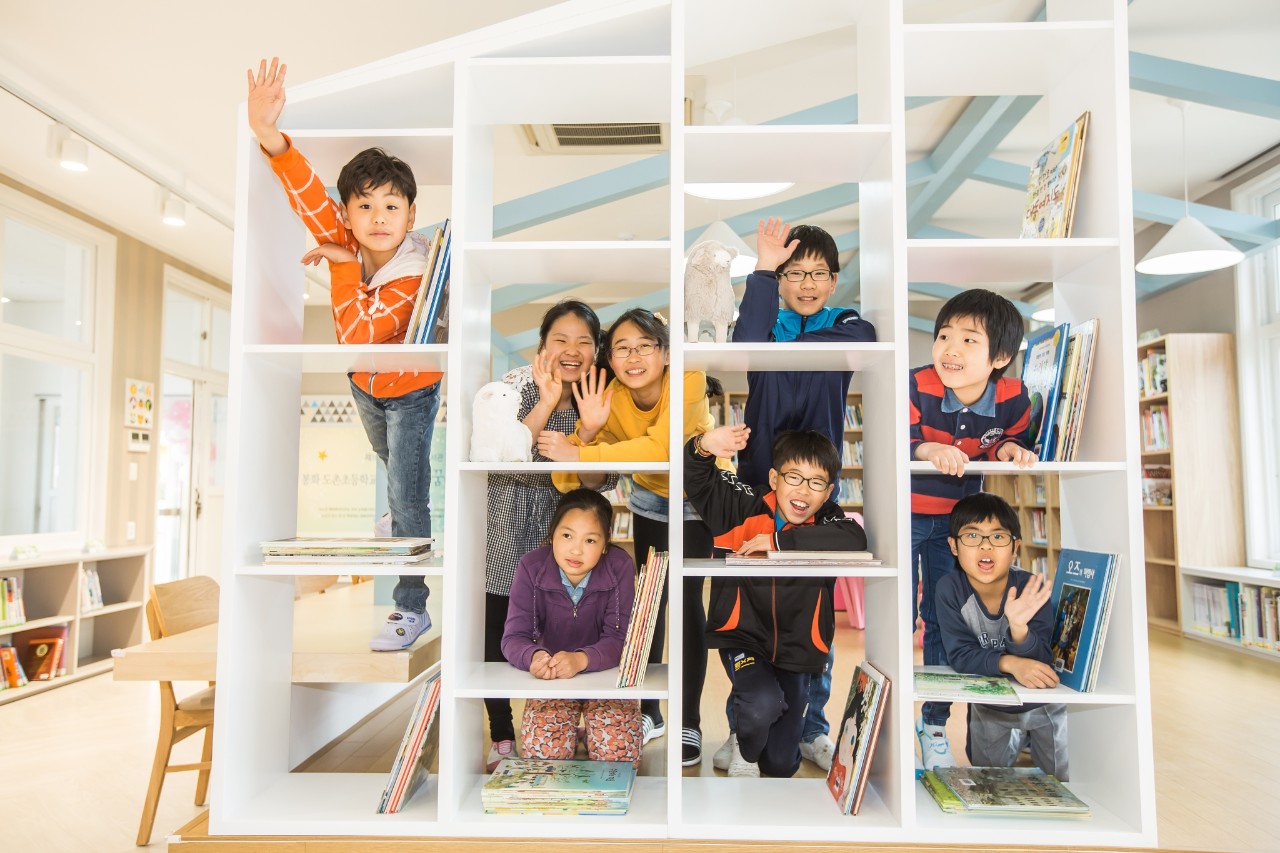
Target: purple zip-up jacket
{"points": [[542, 616]]}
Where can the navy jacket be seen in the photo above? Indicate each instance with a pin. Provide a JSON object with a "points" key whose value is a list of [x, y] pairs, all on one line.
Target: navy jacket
{"points": [[783, 400]]}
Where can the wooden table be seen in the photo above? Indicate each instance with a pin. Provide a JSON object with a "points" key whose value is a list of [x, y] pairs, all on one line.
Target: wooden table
{"points": [[331, 634]]}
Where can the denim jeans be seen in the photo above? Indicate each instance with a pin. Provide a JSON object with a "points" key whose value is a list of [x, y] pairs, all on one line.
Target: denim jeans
{"points": [[932, 554], [815, 717], [399, 430]]}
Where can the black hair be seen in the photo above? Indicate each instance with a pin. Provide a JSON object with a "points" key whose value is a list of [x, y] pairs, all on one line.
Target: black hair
{"points": [[980, 506], [999, 318], [648, 324], [715, 388], [814, 243], [587, 500], [806, 446], [372, 168], [564, 308]]}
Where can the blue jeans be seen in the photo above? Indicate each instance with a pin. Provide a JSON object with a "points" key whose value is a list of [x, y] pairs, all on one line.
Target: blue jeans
{"points": [[399, 430], [931, 552], [815, 717]]}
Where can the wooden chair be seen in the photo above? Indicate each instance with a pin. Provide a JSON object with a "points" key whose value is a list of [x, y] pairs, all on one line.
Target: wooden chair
{"points": [[171, 609]]}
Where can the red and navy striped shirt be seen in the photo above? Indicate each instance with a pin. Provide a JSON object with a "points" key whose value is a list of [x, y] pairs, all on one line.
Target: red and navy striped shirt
{"points": [[1002, 414]]}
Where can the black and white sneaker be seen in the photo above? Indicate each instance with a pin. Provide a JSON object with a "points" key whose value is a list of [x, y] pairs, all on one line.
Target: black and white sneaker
{"points": [[690, 747], [651, 727]]}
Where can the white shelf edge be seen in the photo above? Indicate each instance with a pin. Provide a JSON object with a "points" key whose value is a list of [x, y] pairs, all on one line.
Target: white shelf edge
{"points": [[487, 680], [108, 609], [717, 569], [433, 569], [557, 246], [362, 132], [1011, 28], [556, 61], [1066, 468], [1242, 574], [33, 624], [1059, 694]]}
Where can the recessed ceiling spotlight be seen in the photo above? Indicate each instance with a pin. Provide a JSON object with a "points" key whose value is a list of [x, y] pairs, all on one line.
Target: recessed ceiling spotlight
{"points": [[71, 153], [175, 211]]}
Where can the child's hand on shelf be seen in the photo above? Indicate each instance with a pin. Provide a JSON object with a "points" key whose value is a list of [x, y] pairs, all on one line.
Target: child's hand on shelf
{"points": [[772, 248], [557, 447], [1028, 672], [757, 544], [331, 252], [1018, 455], [568, 664], [947, 459], [725, 441], [540, 665]]}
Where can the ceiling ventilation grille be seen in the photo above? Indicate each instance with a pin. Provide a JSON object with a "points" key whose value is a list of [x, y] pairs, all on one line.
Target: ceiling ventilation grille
{"points": [[597, 138]]}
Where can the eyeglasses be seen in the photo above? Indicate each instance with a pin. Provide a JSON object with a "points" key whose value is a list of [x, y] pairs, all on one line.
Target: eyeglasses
{"points": [[794, 478], [639, 349], [997, 540], [797, 276]]}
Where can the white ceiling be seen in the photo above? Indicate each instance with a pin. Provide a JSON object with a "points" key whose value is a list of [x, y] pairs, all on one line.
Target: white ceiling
{"points": [[162, 82]]}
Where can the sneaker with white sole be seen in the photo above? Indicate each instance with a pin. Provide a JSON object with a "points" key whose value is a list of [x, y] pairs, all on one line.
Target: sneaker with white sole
{"points": [[651, 728], [401, 631], [498, 751], [690, 747], [720, 760], [739, 767], [935, 749], [819, 751]]}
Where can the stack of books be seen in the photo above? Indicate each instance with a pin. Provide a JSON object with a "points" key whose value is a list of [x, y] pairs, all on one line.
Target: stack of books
{"points": [[429, 323], [1056, 372], [1155, 428], [352, 551], [1154, 372], [91, 592], [537, 786], [644, 617], [811, 559], [1009, 791], [417, 750]]}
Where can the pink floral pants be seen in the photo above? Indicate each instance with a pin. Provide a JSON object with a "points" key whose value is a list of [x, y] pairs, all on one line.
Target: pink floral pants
{"points": [[549, 729]]}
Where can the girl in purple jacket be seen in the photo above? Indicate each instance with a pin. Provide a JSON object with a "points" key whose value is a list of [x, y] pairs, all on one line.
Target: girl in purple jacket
{"points": [[570, 605]]}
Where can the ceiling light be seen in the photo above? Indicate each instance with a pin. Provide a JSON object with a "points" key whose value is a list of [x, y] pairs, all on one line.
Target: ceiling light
{"points": [[175, 211], [736, 191], [306, 295], [1044, 315], [4, 300], [720, 231], [70, 152], [1189, 246]]}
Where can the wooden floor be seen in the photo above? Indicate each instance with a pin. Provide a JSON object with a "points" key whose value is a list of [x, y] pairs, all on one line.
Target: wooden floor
{"points": [[74, 761]]}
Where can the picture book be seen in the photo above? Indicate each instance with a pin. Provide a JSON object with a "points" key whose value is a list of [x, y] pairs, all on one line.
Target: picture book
{"points": [[1082, 592], [572, 787], [1053, 184], [644, 618], [864, 712], [12, 611], [1075, 390], [1157, 485], [91, 592], [42, 656], [1009, 789], [940, 684], [347, 546], [410, 769], [941, 794], [1042, 377], [11, 668], [424, 284]]}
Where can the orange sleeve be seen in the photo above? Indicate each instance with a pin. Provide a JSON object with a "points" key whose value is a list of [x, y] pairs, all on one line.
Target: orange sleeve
{"points": [[309, 199]]}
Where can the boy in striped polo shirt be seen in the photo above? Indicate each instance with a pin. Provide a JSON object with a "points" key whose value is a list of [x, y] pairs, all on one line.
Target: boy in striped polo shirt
{"points": [[375, 266], [963, 408]]}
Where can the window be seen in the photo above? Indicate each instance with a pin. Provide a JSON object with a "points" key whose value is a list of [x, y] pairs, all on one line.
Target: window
{"points": [[1258, 342], [57, 276]]}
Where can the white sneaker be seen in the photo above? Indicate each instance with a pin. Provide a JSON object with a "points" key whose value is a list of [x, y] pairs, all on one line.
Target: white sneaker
{"points": [[724, 754], [739, 767], [819, 751], [651, 728], [935, 749], [401, 631], [498, 751]]}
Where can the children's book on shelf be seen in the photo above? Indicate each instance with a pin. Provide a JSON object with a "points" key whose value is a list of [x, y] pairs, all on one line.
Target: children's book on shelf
{"points": [[568, 787], [1153, 370], [349, 559], [91, 592], [424, 284], [1157, 485], [12, 611], [1075, 389], [763, 559], [1039, 527], [644, 618], [1155, 428], [941, 684], [1010, 789], [853, 416], [1053, 184], [1083, 588], [859, 731], [429, 322], [622, 522], [413, 760], [42, 657], [11, 667], [1042, 376], [1258, 624]]}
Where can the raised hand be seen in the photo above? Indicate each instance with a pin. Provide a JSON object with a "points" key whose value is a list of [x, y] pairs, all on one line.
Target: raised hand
{"points": [[331, 252], [1021, 609], [593, 399], [547, 377], [266, 101], [726, 440], [772, 248]]}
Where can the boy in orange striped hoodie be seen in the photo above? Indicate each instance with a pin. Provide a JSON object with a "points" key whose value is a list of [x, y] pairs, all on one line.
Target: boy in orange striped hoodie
{"points": [[375, 266]]}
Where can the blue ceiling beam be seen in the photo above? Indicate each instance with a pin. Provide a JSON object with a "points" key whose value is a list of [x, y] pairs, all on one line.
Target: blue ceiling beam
{"points": [[841, 111], [521, 294], [938, 290], [583, 194], [1228, 90]]}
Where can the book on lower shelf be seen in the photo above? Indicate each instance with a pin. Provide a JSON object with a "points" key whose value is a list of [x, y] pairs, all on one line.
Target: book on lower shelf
{"points": [[347, 546], [566, 787], [859, 731], [417, 751], [1155, 428], [960, 687], [1157, 485], [1083, 592], [12, 610], [1154, 373], [1014, 791], [644, 618], [91, 591], [622, 523], [1258, 623], [13, 675]]}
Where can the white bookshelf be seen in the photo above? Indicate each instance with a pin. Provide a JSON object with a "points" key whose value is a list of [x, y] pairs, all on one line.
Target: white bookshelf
{"points": [[625, 60]]}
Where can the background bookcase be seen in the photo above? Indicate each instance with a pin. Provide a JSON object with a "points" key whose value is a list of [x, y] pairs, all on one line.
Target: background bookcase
{"points": [[1035, 497], [625, 61], [52, 592]]}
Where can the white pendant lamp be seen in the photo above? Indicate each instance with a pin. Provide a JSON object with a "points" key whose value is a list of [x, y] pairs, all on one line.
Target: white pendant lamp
{"points": [[1189, 246], [720, 231]]}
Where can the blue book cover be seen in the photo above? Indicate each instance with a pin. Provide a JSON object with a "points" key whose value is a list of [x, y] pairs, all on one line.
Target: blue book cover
{"points": [[1042, 376], [1082, 589]]}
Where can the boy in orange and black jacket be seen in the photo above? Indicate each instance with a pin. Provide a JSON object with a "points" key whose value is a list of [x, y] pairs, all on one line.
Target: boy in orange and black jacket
{"points": [[773, 632]]}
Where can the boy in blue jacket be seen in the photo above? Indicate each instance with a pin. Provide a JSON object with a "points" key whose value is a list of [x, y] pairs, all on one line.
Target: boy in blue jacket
{"points": [[799, 266]]}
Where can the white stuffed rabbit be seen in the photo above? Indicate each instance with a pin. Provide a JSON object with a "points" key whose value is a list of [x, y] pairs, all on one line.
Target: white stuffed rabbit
{"points": [[708, 293], [497, 434]]}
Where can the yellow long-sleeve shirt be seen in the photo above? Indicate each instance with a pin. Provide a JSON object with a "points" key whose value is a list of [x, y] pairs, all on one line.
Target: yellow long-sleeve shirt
{"points": [[632, 434]]}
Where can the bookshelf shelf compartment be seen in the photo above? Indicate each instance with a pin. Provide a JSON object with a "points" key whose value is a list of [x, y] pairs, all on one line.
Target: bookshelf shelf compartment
{"points": [[646, 818], [572, 89], [111, 609], [801, 153], [727, 808], [427, 150], [558, 262], [501, 679], [740, 358], [1103, 827], [336, 804], [360, 358]]}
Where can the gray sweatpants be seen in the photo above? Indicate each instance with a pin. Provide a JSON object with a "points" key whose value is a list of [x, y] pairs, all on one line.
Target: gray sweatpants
{"points": [[996, 738]]}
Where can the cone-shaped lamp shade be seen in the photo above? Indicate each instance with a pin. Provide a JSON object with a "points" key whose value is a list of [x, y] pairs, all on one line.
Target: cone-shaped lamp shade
{"points": [[720, 231], [1189, 247]]}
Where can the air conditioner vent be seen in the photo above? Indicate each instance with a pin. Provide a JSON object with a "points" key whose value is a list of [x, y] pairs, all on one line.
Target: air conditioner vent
{"points": [[615, 138]]}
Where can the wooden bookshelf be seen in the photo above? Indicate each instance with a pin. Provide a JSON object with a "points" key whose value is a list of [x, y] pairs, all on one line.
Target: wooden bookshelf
{"points": [[1035, 498]]}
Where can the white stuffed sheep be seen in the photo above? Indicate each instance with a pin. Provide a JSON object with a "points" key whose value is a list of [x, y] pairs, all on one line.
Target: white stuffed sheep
{"points": [[497, 435], [708, 294]]}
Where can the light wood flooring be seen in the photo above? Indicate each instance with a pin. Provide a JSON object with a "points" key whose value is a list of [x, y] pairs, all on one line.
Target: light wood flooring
{"points": [[74, 761]]}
